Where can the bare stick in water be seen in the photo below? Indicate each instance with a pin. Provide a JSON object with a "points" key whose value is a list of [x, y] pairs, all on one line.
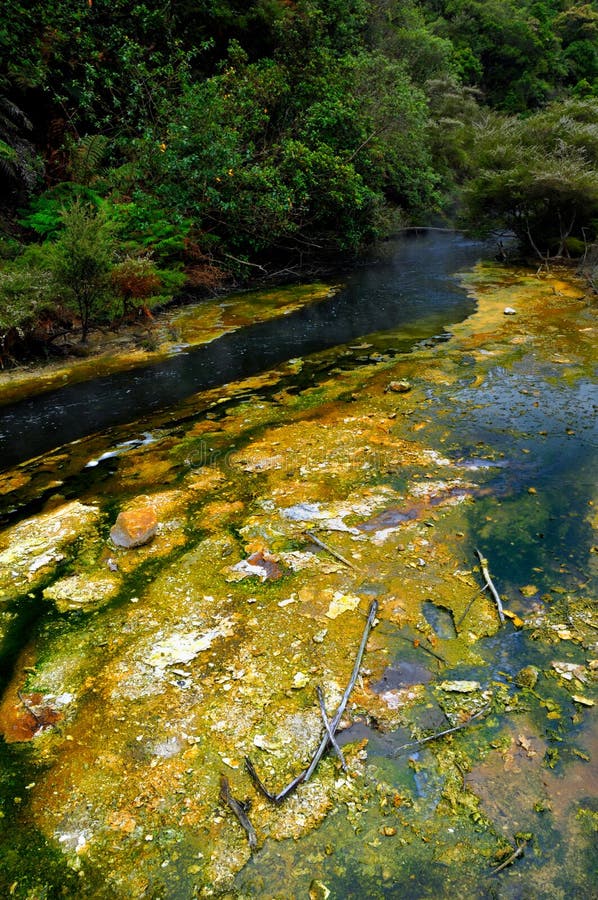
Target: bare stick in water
{"points": [[238, 809], [439, 734], [331, 550], [491, 588], [307, 773], [328, 728], [511, 859], [258, 781], [344, 699], [470, 604]]}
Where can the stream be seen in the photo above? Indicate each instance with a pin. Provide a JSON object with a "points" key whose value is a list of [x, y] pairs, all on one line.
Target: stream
{"points": [[410, 289], [290, 472]]}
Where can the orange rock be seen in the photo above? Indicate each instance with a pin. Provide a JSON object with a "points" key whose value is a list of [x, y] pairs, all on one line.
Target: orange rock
{"points": [[30, 714], [134, 527]]}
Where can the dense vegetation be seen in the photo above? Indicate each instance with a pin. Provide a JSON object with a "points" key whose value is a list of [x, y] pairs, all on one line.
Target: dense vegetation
{"points": [[149, 145]]}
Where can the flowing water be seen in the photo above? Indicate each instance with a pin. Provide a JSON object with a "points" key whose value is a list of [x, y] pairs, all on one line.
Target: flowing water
{"points": [[410, 289], [360, 447]]}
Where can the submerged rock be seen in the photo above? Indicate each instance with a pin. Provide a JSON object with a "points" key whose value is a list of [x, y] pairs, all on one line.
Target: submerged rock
{"points": [[340, 603], [262, 564], [87, 592], [318, 890], [460, 687], [25, 715], [527, 677], [134, 527], [398, 387], [33, 549], [183, 647]]}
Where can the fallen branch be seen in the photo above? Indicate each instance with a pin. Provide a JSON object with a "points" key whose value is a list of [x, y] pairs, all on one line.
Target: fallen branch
{"points": [[333, 724], [238, 809], [517, 853], [344, 699], [274, 798], [331, 550], [289, 270], [490, 585], [439, 734], [328, 728]]}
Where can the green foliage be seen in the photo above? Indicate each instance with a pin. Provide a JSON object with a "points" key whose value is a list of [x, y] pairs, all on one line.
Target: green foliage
{"points": [[86, 157], [8, 158], [455, 111], [106, 64], [521, 53], [45, 213], [24, 295], [139, 284], [262, 154], [9, 247], [400, 31], [144, 225], [19, 164], [77, 268], [81, 261], [538, 177]]}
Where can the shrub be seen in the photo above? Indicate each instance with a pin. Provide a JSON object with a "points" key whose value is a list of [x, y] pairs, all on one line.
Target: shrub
{"points": [[24, 295], [135, 280], [81, 261]]}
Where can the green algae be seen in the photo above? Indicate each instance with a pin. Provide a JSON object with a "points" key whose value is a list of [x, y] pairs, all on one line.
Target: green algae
{"points": [[186, 671]]}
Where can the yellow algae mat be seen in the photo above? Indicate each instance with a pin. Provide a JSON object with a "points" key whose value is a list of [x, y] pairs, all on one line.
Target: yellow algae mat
{"points": [[285, 504]]}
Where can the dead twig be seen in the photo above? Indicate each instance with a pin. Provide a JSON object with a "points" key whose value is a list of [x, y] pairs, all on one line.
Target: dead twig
{"points": [[469, 605], [316, 540], [490, 585], [333, 724], [238, 809], [258, 781], [328, 728], [245, 262], [439, 734], [417, 644], [511, 859]]}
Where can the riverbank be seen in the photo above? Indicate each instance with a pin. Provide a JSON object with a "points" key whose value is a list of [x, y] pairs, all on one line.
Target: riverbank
{"points": [[152, 671], [173, 330]]}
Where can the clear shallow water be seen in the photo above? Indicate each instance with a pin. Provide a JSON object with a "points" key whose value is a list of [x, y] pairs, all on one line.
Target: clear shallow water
{"points": [[411, 289]]}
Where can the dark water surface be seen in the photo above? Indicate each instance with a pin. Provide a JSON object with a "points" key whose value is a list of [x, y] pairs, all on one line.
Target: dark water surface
{"points": [[410, 285]]}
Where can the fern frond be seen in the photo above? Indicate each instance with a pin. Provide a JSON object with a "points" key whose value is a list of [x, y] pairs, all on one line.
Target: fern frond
{"points": [[86, 158], [12, 116]]}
